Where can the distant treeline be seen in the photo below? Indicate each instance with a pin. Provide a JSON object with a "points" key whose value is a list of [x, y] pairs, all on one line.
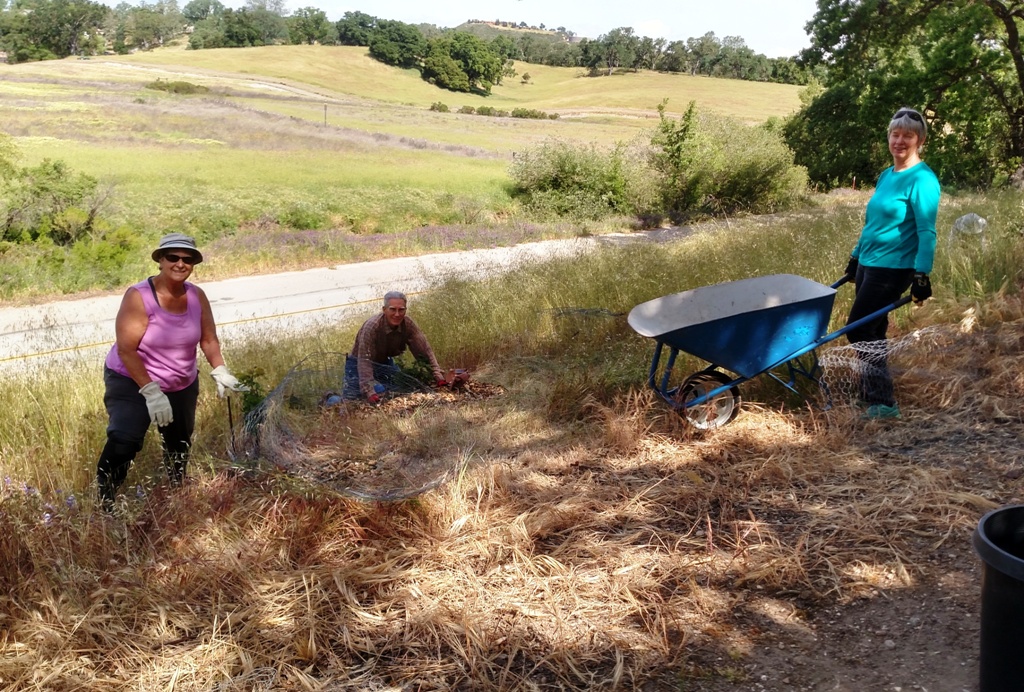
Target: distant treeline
{"points": [[471, 57]]}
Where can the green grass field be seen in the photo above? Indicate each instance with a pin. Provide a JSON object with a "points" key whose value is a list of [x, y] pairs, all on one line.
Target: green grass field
{"points": [[349, 70], [313, 138]]}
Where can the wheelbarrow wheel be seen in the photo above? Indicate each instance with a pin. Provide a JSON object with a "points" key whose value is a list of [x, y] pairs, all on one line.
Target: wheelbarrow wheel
{"points": [[716, 411]]}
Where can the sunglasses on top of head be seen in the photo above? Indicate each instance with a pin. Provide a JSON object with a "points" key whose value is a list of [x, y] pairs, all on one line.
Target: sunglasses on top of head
{"points": [[913, 115], [174, 259]]}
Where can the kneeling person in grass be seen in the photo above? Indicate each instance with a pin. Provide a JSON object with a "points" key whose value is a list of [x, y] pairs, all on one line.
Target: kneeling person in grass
{"points": [[370, 367]]}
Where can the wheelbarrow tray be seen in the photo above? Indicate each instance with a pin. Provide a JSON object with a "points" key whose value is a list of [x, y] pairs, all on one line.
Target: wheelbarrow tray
{"points": [[745, 326]]}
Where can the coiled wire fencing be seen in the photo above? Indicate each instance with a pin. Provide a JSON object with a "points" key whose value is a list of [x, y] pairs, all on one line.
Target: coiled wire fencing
{"points": [[399, 448]]}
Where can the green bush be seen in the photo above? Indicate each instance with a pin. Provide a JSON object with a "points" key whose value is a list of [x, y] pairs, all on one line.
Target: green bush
{"points": [[467, 110], [581, 180], [50, 201], [439, 107], [303, 218], [177, 87], [529, 113], [485, 110], [711, 164], [105, 255]]}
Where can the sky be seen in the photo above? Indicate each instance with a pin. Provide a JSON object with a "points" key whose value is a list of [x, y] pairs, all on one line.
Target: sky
{"points": [[774, 28]]}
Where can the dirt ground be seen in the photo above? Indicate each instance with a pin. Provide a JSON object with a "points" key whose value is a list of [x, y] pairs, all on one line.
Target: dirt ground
{"points": [[925, 637]]}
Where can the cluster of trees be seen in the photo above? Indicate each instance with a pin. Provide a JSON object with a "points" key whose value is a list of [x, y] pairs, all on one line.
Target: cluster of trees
{"points": [[505, 24], [961, 62], [707, 55], [50, 29], [619, 49], [460, 60], [453, 60]]}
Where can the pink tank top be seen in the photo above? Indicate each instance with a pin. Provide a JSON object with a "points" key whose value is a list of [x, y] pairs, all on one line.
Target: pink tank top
{"points": [[168, 347]]}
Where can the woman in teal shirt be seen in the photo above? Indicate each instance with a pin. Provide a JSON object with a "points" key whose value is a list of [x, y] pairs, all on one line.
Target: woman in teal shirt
{"points": [[895, 252]]}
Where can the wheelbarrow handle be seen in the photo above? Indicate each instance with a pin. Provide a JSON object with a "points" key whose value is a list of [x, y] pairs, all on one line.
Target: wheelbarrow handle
{"points": [[898, 304]]}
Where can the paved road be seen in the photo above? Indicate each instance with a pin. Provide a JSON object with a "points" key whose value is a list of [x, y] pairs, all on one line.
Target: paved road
{"points": [[254, 307], [257, 307]]}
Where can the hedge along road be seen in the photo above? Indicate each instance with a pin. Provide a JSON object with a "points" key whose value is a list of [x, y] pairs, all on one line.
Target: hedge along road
{"points": [[258, 307]]}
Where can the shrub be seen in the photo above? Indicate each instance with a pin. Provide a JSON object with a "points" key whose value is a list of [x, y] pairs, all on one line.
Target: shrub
{"points": [[713, 165], [526, 78], [581, 180], [48, 200], [104, 255], [303, 218], [529, 113], [467, 110], [439, 107], [177, 87], [485, 110]]}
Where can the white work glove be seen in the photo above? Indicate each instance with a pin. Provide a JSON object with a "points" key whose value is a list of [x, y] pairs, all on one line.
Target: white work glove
{"points": [[158, 404], [225, 380]]}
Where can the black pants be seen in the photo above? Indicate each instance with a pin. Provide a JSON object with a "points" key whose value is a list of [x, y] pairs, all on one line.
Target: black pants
{"points": [[876, 288], [129, 421]]}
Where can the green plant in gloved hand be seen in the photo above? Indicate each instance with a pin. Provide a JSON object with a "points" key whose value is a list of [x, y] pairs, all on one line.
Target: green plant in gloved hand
{"points": [[254, 394], [226, 381], [419, 369]]}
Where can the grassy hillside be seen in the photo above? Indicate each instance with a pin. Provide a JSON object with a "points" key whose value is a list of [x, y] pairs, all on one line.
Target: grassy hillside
{"points": [[350, 71], [320, 139]]}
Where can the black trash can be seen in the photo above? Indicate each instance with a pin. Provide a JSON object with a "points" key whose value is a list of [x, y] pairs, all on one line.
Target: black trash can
{"points": [[999, 542]]}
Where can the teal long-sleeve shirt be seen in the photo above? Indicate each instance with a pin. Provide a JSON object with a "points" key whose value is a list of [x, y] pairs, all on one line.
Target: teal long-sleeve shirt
{"points": [[899, 223]]}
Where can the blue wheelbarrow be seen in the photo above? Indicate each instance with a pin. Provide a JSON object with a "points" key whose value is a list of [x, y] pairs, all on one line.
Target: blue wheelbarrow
{"points": [[742, 329]]}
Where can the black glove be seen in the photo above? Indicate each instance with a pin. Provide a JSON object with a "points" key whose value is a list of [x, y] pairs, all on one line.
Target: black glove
{"points": [[921, 289], [851, 269]]}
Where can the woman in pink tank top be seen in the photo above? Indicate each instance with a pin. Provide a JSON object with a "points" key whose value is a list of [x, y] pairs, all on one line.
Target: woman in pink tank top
{"points": [[151, 374]]}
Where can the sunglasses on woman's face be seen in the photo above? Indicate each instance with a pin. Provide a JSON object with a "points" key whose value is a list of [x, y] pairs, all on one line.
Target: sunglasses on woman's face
{"points": [[913, 115], [174, 259]]}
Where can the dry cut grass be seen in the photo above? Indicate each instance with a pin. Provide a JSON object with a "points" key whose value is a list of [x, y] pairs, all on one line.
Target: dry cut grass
{"points": [[594, 545]]}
